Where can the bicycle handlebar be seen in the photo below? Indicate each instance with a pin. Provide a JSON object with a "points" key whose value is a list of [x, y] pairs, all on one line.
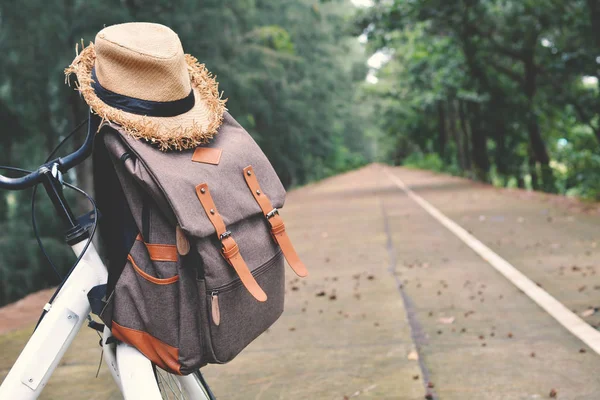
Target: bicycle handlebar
{"points": [[63, 164]]}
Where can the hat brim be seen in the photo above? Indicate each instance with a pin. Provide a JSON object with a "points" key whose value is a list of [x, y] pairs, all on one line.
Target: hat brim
{"points": [[184, 131]]}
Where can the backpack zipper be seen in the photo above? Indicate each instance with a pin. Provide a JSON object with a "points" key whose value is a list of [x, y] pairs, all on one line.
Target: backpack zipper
{"points": [[258, 271], [214, 306], [215, 310]]}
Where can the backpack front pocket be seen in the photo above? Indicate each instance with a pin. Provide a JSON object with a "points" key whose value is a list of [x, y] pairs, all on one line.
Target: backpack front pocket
{"points": [[146, 307], [235, 318]]}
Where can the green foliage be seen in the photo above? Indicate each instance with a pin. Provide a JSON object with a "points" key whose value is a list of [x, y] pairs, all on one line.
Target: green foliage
{"points": [[578, 165], [430, 161], [490, 87]]}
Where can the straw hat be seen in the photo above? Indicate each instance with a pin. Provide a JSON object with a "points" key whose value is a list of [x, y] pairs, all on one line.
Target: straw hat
{"points": [[137, 76]]}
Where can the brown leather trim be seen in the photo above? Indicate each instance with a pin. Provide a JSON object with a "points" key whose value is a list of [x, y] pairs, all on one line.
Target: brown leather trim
{"points": [[230, 249], [207, 155], [276, 222], [209, 207], [160, 353], [160, 252], [151, 278]]}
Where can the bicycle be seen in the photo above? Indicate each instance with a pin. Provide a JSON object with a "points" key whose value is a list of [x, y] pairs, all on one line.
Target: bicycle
{"points": [[67, 310]]}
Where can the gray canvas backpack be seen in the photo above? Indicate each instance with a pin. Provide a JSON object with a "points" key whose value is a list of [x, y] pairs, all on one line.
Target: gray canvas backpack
{"points": [[205, 274]]}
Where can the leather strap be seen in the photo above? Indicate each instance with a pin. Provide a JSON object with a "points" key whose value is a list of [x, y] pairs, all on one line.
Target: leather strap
{"points": [[230, 249], [277, 225], [160, 252]]}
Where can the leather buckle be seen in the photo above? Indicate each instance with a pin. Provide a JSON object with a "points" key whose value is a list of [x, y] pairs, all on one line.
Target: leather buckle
{"points": [[272, 213], [224, 235]]}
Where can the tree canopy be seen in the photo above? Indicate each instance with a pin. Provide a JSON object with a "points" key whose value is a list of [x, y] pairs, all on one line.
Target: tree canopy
{"points": [[499, 90]]}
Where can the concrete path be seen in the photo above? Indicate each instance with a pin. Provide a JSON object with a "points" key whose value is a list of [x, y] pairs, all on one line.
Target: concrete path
{"points": [[397, 307]]}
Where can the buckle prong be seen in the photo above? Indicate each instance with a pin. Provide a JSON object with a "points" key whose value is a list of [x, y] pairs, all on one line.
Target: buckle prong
{"points": [[272, 213], [224, 235]]}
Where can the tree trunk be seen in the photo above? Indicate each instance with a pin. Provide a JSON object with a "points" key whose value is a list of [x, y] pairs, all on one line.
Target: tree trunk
{"points": [[464, 124], [536, 142], [454, 134], [481, 162], [497, 123], [594, 12], [533, 171], [443, 137]]}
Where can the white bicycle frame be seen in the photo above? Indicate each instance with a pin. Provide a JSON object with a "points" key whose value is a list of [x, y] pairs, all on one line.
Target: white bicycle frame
{"points": [[131, 371]]}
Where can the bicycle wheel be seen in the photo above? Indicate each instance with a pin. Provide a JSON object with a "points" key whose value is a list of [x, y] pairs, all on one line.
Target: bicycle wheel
{"points": [[174, 387]]}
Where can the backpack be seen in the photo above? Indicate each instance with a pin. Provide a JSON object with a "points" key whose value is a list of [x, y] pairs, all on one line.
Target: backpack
{"points": [[204, 273]]}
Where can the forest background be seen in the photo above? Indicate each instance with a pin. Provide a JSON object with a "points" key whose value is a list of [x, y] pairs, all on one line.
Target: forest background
{"points": [[500, 91]]}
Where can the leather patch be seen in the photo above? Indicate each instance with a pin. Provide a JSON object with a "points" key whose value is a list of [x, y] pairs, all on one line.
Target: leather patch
{"points": [[160, 353], [207, 155]]}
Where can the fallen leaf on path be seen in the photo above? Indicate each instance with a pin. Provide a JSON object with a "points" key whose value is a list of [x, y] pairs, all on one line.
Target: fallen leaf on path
{"points": [[588, 313], [446, 320], [553, 394], [413, 356]]}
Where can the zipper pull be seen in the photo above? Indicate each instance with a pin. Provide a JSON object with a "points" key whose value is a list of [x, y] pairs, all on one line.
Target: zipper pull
{"points": [[216, 313]]}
